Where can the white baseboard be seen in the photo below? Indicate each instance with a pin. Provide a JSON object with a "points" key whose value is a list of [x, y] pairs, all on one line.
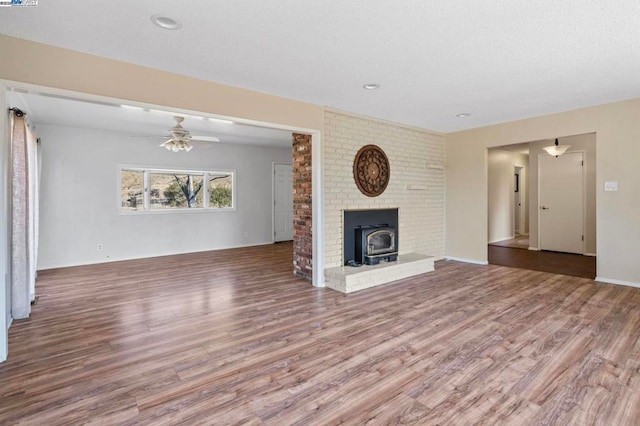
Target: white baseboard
{"points": [[120, 259], [590, 254], [4, 335], [617, 282], [534, 249], [475, 262]]}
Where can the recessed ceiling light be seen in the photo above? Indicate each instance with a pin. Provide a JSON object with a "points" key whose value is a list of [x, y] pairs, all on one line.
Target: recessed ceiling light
{"points": [[463, 115], [166, 22], [371, 86]]}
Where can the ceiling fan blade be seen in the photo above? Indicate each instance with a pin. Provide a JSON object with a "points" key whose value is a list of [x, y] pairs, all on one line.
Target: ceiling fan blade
{"points": [[201, 144], [204, 138]]}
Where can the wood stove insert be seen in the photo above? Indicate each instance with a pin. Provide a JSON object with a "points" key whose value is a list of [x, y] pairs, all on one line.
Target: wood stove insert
{"points": [[370, 236]]}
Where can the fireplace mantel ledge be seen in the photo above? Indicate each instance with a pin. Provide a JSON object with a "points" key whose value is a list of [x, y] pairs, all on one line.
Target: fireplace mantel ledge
{"points": [[348, 279]]}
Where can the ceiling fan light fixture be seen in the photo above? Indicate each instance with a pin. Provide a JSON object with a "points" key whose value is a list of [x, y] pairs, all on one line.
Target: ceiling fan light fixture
{"points": [[180, 138], [556, 150], [167, 145], [177, 145]]}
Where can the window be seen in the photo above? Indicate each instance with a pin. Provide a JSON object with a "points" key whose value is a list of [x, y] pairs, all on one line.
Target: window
{"points": [[220, 190], [175, 191], [132, 189], [166, 190]]}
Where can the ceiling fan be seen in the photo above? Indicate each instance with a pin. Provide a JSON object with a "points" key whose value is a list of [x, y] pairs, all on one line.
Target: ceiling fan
{"points": [[181, 140]]}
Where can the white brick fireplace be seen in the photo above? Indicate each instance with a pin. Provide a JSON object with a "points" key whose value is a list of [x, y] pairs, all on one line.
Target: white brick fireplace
{"points": [[416, 186]]}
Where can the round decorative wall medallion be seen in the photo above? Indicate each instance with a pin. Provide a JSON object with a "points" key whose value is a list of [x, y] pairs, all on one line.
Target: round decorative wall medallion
{"points": [[371, 170]]}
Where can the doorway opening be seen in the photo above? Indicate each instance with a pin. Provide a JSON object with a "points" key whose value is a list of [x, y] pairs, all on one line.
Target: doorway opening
{"points": [[282, 202], [541, 208], [518, 215], [154, 130]]}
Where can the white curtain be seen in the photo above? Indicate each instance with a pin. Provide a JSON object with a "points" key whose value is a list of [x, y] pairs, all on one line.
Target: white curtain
{"points": [[34, 190], [24, 215]]}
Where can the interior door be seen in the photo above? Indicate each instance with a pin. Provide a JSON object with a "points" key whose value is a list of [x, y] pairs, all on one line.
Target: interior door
{"points": [[282, 202], [517, 204], [561, 202]]}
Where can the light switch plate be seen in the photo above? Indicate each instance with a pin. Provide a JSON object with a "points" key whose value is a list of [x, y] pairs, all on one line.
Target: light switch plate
{"points": [[611, 186]]}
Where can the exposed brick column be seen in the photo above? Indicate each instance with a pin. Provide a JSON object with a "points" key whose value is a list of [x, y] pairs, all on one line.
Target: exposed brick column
{"points": [[302, 238]]}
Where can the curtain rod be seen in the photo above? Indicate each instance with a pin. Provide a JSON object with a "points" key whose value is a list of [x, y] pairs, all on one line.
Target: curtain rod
{"points": [[17, 111]]}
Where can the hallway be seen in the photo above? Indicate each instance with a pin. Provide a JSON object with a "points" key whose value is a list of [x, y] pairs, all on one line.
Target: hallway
{"points": [[519, 241], [546, 261]]}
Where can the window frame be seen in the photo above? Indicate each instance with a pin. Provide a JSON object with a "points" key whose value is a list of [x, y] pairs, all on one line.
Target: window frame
{"points": [[147, 170]]}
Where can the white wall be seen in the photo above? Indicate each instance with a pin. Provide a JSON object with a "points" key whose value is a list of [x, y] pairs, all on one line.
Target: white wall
{"points": [[416, 184], [79, 198], [586, 144], [501, 197], [5, 291]]}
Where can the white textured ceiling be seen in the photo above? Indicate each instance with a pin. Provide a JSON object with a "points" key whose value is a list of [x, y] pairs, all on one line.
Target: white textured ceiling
{"points": [[498, 60]]}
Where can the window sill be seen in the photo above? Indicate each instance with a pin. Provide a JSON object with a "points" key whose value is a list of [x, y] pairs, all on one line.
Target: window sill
{"points": [[174, 211]]}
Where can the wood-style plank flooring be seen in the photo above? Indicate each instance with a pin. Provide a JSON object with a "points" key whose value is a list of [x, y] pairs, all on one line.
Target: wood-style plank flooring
{"points": [[231, 337], [576, 265], [519, 241]]}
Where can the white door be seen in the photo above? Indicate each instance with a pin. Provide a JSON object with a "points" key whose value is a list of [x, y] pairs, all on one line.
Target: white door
{"points": [[561, 202], [282, 202], [517, 204]]}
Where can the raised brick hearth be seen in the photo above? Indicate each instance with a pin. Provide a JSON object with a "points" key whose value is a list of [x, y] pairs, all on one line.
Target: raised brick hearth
{"points": [[347, 279]]}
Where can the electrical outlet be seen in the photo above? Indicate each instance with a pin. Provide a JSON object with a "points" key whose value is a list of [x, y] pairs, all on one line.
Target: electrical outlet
{"points": [[611, 186], [99, 247], [246, 234]]}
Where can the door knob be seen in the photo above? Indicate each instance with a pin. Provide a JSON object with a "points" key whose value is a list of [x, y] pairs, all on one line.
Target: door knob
{"points": [[544, 208]]}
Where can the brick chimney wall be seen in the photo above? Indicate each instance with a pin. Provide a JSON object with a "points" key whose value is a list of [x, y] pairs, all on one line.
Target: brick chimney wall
{"points": [[302, 237]]}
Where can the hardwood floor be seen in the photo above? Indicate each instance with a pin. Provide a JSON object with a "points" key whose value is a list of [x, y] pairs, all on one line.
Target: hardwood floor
{"points": [[546, 261], [519, 241], [231, 337]]}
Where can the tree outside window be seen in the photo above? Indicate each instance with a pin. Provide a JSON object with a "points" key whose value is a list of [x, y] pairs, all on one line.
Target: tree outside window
{"points": [[153, 189]]}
